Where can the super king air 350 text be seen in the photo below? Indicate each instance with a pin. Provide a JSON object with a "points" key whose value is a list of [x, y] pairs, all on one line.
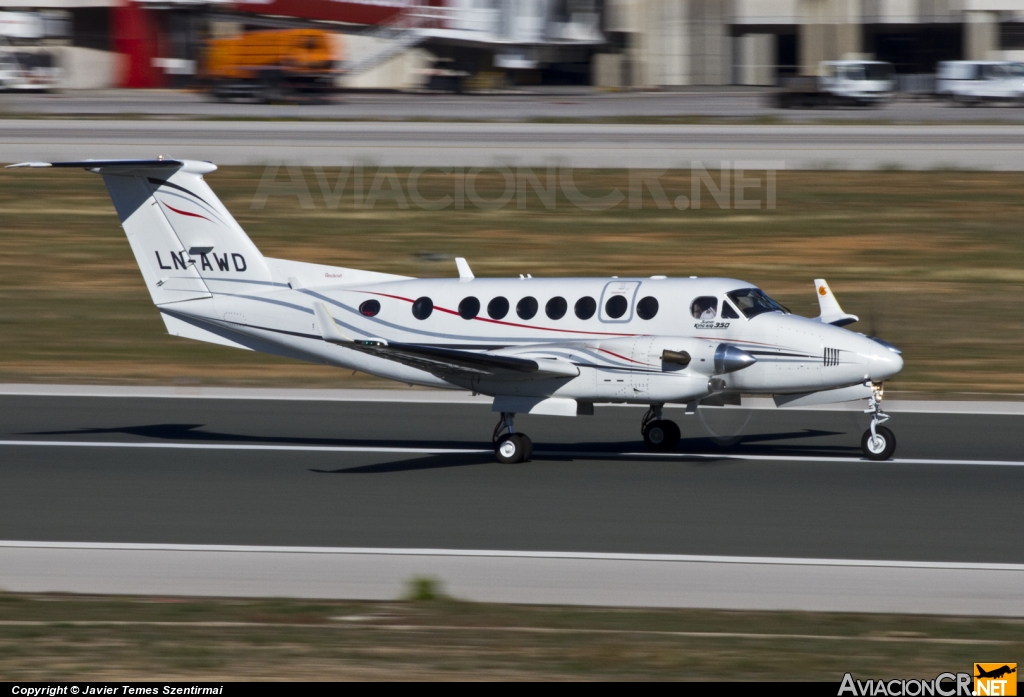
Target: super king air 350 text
{"points": [[539, 346]]}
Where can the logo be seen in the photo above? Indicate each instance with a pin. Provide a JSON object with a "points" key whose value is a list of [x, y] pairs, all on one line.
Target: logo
{"points": [[822, 291], [995, 679]]}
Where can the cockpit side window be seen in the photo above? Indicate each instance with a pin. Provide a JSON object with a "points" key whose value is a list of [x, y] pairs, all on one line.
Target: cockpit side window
{"points": [[728, 312], [753, 302], [705, 307]]}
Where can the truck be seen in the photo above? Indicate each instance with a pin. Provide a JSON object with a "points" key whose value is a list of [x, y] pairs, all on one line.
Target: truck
{"points": [[839, 83], [272, 65], [23, 71]]}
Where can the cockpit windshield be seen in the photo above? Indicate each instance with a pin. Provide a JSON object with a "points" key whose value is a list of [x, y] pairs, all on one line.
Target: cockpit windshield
{"points": [[753, 302]]}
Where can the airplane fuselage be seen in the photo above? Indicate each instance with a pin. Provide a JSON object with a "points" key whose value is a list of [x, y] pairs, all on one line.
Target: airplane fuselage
{"points": [[615, 345]]}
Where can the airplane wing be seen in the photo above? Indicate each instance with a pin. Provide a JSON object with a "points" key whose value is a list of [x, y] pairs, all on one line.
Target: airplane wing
{"points": [[447, 362]]}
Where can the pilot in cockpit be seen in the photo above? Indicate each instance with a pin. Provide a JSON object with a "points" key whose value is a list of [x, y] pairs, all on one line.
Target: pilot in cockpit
{"points": [[704, 308]]}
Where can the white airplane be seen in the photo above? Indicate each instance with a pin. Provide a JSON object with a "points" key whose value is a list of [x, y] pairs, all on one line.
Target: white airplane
{"points": [[538, 346]]}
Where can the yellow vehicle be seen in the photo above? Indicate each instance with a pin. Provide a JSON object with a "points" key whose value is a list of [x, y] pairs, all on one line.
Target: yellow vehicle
{"points": [[272, 65]]}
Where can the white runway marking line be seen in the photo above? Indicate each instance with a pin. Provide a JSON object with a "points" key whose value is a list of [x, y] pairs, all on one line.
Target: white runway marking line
{"points": [[476, 451], [162, 547]]}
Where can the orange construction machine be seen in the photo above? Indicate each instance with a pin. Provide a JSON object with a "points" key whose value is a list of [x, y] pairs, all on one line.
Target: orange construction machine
{"points": [[273, 65]]}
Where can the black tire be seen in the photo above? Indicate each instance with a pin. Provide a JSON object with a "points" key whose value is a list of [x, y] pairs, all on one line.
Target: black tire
{"points": [[509, 449], [527, 446], [661, 435], [872, 451]]}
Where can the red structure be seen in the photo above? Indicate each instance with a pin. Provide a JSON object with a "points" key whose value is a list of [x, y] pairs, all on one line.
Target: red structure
{"points": [[135, 31], [331, 10]]}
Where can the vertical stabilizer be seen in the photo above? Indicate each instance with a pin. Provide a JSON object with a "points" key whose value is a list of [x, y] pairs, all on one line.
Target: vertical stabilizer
{"points": [[183, 237]]}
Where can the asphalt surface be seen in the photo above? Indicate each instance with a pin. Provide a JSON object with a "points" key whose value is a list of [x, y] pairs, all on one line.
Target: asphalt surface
{"points": [[404, 144], [515, 105], [802, 493]]}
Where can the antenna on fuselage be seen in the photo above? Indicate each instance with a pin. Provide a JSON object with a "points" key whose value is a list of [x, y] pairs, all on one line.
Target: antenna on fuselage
{"points": [[465, 273]]}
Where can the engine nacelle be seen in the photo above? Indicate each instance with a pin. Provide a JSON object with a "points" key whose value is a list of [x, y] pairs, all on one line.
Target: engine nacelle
{"points": [[669, 369]]}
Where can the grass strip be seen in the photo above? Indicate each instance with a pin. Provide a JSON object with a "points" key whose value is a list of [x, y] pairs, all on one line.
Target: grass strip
{"points": [[54, 636]]}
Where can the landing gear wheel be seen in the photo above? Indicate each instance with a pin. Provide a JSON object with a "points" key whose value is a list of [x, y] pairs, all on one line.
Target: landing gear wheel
{"points": [[661, 435], [527, 446], [879, 447], [510, 449]]}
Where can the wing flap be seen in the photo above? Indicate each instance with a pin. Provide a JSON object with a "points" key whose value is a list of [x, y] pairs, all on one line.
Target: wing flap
{"points": [[445, 362]]}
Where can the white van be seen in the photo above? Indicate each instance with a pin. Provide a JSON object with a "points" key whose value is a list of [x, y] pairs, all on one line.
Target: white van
{"points": [[973, 82], [840, 83], [28, 71]]}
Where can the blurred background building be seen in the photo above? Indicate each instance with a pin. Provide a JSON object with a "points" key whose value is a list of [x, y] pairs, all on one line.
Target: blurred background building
{"points": [[480, 44]]}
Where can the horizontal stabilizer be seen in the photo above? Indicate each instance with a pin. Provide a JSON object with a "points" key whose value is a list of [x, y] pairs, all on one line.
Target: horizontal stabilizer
{"points": [[810, 399], [831, 313], [105, 164]]}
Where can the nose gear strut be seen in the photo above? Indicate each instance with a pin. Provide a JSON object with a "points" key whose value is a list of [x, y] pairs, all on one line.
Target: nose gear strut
{"points": [[878, 442]]}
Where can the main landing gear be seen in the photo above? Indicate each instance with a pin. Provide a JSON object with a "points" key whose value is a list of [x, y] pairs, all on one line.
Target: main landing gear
{"points": [[659, 434], [878, 442], [510, 447]]}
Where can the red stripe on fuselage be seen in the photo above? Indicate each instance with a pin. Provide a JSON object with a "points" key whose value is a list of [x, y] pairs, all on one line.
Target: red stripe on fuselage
{"points": [[498, 321], [612, 353]]}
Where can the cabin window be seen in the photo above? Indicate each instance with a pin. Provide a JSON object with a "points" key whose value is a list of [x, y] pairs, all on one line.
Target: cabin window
{"points": [[422, 308], [527, 307], [728, 312], [497, 308], [586, 307], [647, 308], [370, 308], [704, 308], [556, 307], [469, 308], [616, 306], [753, 302]]}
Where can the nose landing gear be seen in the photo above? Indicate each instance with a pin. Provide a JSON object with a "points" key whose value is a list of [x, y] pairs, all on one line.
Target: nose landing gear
{"points": [[510, 447], [659, 434], [878, 442]]}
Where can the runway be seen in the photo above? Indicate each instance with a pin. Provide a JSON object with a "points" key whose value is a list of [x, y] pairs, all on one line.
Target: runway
{"points": [[523, 104], [255, 493], [432, 144], [408, 475]]}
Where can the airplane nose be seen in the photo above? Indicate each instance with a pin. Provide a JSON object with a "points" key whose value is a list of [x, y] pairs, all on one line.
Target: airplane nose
{"points": [[884, 360]]}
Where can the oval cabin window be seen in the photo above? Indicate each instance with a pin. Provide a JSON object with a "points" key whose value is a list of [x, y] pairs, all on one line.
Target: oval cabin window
{"points": [[497, 308], [586, 307], [556, 307], [647, 308], [370, 308], [469, 308], [527, 308], [616, 306], [422, 308]]}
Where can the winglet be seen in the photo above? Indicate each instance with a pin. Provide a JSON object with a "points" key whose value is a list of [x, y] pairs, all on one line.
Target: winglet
{"points": [[328, 328], [831, 313], [465, 273]]}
